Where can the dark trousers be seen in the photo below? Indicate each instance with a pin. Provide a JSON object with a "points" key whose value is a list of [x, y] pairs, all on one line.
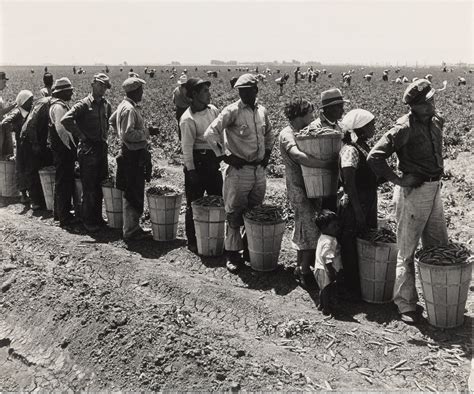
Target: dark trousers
{"points": [[94, 169], [64, 160], [133, 168], [210, 182]]}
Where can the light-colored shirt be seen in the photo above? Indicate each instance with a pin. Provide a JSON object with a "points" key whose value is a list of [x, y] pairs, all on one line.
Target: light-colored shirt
{"points": [[45, 92], [128, 122], [180, 99], [193, 125], [241, 131], [328, 251], [56, 112]]}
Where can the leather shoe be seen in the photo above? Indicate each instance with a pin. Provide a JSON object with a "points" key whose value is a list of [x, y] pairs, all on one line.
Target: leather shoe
{"points": [[234, 262], [410, 317]]}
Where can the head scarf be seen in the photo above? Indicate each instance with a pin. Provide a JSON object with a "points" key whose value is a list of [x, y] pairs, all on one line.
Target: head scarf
{"points": [[355, 119], [23, 97]]}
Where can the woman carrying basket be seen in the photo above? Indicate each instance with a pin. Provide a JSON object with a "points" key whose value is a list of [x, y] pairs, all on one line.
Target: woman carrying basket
{"points": [[358, 204], [305, 234]]}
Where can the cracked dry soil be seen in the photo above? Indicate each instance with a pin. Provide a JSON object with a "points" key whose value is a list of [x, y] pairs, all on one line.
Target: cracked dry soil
{"points": [[85, 313]]}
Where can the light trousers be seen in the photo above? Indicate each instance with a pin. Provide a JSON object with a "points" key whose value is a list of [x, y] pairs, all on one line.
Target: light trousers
{"points": [[420, 215], [243, 188], [131, 218]]}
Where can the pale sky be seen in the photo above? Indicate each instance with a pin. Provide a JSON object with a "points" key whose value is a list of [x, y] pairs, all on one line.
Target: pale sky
{"points": [[194, 32]]}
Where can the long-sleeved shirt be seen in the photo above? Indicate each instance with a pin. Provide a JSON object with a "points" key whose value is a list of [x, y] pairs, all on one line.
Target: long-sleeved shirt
{"points": [[193, 125], [89, 119], [180, 99], [241, 131], [418, 147], [128, 122], [56, 112]]}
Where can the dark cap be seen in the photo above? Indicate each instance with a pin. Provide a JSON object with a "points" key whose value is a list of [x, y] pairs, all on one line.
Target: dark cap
{"points": [[418, 91], [246, 81], [3, 75], [103, 79], [193, 83]]}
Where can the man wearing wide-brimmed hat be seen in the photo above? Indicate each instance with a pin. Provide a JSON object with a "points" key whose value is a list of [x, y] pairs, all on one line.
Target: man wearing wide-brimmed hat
{"points": [[242, 137], [331, 110], [88, 121], [63, 145], [201, 167], [134, 161], [416, 139], [181, 100]]}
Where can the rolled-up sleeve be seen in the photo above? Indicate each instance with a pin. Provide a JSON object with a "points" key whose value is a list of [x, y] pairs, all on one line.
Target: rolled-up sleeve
{"points": [[391, 141], [214, 134]]}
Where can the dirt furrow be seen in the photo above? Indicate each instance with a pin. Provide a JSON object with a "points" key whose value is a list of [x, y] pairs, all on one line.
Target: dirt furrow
{"points": [[89, 313]]}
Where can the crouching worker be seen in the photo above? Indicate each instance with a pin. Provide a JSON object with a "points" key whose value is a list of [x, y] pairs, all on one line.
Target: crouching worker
{"points": [[201, 167], [134, 162], [328, 259]]}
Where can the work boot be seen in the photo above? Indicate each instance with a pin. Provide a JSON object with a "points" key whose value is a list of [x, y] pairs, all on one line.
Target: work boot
{"points": [[234, 261]]}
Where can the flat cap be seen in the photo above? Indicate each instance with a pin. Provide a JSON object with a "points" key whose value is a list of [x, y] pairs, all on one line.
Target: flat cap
{"points": [[133, 83], [193, 83], [246, 81], [103, 79], [418, 91]]}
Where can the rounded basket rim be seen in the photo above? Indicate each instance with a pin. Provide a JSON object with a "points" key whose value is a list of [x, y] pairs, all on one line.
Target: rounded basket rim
{"points": [[376, 242], [443, 266], [177, 194], [319, 136], [279, 221]]}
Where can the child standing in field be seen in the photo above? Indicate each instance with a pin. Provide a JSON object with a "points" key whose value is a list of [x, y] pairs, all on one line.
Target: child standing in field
{"points": [[328, 258]]}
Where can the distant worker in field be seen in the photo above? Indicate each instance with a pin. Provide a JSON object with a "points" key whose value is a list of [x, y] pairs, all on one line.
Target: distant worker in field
{"points": [[74, 70], [461, 81], [385, 76], [282, 81], [201, 167], [88, 122], [134, 161], [181, 101], [347, 79], [64, 147], [417, 140], [6, 140], [13, 123], [48, 84], [242, 137], [296, 74]]}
